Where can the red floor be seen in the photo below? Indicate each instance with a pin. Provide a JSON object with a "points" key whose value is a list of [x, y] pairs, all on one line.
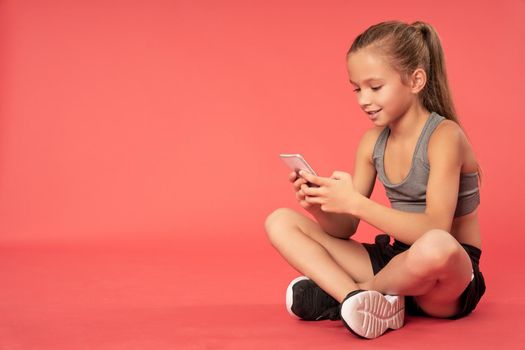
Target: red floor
{"points": [[201, 295]]}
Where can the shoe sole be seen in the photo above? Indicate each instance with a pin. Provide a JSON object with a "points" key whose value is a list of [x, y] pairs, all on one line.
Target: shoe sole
{"points": [[289, 295], [369, 314]]}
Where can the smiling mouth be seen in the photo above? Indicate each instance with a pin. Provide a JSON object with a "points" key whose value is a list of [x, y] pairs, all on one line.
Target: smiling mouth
{"points": [[373, 114]]}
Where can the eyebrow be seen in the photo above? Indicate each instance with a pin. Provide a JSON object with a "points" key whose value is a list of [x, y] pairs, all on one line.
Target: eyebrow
{"points": [[364, 81]]}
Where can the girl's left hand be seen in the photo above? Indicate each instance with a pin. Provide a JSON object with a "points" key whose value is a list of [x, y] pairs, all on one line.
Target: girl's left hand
{"points": [[335, 194]]}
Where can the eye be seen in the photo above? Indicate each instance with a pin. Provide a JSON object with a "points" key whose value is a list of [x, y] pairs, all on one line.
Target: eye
{"points": [[375, 88], [356, 90]]}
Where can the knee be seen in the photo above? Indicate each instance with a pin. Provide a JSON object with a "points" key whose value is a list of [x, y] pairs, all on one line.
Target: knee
{"points": [[276, 221], [433, 251]]}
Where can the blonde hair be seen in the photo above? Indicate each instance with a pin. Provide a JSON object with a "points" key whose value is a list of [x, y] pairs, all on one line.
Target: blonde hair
{"points": [[409, 47]]}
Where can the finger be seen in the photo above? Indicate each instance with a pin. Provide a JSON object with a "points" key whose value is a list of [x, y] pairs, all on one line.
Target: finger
{"points": [[310, 191], [292, 176], [298, 183], [313, 200], [316, 180], [305, 204]]}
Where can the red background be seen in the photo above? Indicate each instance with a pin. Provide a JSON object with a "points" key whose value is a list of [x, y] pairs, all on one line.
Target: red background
{"points": [[148, 132]]}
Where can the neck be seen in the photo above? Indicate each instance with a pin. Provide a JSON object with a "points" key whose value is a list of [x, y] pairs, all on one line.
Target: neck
{"points": [[409, 125]]}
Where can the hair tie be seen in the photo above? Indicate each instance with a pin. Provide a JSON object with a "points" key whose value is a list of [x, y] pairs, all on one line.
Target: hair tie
{"points": [[422, 28]]}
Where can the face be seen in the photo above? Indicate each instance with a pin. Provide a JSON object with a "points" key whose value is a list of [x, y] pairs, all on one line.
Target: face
{"points": [[378, 87]]}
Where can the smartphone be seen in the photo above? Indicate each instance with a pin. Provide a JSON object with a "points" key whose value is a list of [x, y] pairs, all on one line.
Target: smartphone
{"points": [[296, 162]]}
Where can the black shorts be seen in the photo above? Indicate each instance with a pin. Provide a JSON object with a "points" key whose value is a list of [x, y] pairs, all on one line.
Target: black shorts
{"points": [[382, 251]]}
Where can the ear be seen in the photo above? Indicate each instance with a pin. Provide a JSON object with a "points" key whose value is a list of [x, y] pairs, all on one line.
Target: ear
{"points": [[418, 80]]}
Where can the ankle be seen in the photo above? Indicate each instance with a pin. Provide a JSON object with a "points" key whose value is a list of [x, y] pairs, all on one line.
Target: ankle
{"points": [[350, 294]]}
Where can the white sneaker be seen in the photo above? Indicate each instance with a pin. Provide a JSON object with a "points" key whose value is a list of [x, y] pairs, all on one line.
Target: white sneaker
{"points": [[369, 314]]}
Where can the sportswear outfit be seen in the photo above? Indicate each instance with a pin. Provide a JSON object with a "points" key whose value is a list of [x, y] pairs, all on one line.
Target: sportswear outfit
{"points": [[382, 312]]}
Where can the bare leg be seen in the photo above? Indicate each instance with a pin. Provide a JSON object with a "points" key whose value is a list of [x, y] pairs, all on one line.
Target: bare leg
{"points": [[435, 269], [333, 264]]}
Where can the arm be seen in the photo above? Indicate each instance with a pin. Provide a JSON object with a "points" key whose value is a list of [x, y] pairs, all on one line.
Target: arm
{"points": [[403, 226], [345, 225], [444, 154]]}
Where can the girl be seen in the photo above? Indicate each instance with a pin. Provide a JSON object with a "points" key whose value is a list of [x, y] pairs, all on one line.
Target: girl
{"points": [[430, 174]]}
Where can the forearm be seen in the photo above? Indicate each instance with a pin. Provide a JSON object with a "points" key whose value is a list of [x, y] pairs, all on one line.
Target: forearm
{"points": [[336, 225], [404, 226]]}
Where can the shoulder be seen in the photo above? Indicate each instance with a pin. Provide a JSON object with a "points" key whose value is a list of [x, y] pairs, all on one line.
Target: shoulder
{"points": [[371, 135], [447, 130], [447, 140], [368, 141]]}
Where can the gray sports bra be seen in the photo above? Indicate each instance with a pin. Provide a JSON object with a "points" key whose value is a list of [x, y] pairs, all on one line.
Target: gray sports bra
{"points": [[410, 194]]}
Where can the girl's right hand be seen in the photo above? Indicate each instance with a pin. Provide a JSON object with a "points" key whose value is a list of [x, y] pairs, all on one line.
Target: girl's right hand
{"points": [[299, 194]]}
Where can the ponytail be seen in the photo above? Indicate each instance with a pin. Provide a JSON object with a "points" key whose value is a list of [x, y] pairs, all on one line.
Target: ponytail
{"points": [[436, 95]]}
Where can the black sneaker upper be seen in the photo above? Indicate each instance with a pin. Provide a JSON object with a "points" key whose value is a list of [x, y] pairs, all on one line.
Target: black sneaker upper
{"points": [[310, 302]]}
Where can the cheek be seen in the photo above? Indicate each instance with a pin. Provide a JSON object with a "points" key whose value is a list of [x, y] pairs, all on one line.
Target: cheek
{"points": [[386, 97], [392, 98]]}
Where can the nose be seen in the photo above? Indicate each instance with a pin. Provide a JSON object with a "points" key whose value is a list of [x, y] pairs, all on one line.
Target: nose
{"points": [[363, 98]]}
